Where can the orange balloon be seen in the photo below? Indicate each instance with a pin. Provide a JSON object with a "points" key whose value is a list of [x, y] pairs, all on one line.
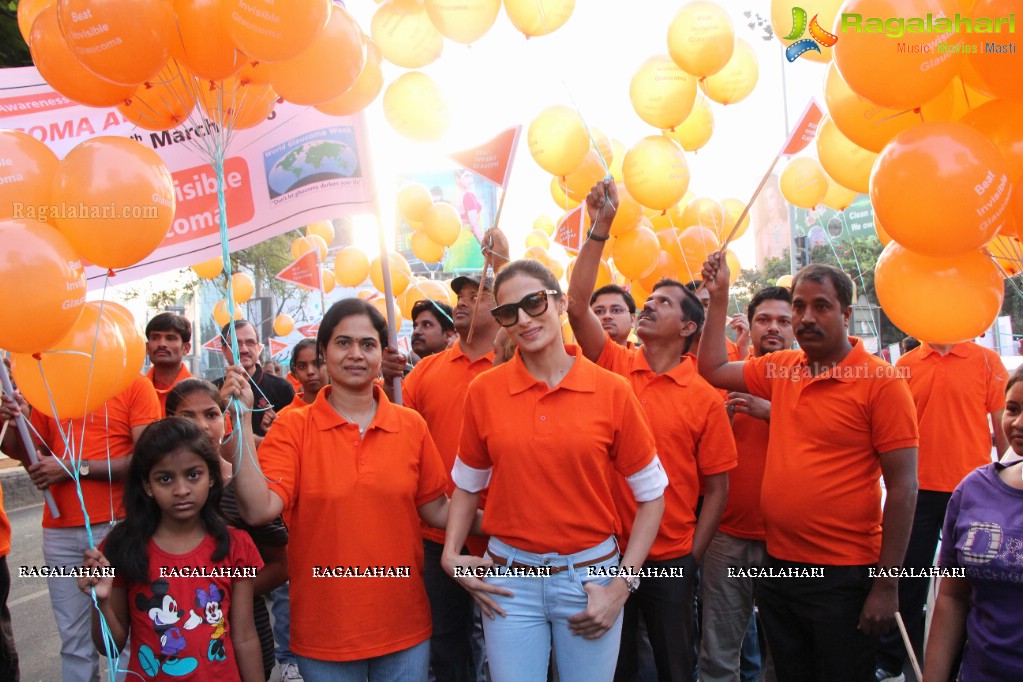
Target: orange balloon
{"points": [[604, 146], [579, 182], [327, 280], [671, 216], [825, 11], [670, 241], [558, 140], [560, 197], [242, 287], [134, 342], [733, 209], [694, 132], [538, 17], [734, 267], [656, 172], [275, 31], [465, 21], [666, 268], [425, 249], [866, 124], [351, 266], [639, 293], [163, 103], [326, 69], [28, 11], [701, 38], [124, 41], [940, 189], [442, 224], [1007, 254], [662, 93], [283, 324], [415, 107], [536, 253], [204, 41], [803, 182], [736, 80], [81, 380], [705, 213], [324, 229], [697, 243], [236, 103], [60, 67], [401, 273], [406, 36], [304, 244], [27, 167], [380, 303], [882, 234], [209, 269], [221, 314], [367, 86], [910, 77], [635, 252], [112, 187], [1001, 67], [414, 200], [844, 161], [1000, 122], [629, 212], [971, 293], [42, 285], [254, 72]]}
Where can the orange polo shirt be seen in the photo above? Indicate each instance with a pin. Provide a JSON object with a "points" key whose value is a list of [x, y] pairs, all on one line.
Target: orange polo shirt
{"points": [[353, 502], [821, 497], [109, 427], [436, 388], [693, 437], [954, 395], [552, 451], [742, 517], [162, 391], [297, 404]]}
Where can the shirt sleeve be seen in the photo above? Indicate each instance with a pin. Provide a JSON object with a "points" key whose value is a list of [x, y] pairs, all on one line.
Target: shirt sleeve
{"points": [[472, 451], [948, 556], [997, 378], [243, 551], [893, 421], [279, 455], [754, 373], [410, 386], [715, 449], [633, 447], [614, 357], [433, 480], [144, 404]]}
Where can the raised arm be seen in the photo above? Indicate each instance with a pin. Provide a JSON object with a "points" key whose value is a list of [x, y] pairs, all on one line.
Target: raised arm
{"points": [[601, 205], [713, 356]]}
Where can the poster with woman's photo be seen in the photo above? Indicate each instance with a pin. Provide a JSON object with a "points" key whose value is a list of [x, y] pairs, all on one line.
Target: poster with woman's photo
{"points": [[475, 199]]}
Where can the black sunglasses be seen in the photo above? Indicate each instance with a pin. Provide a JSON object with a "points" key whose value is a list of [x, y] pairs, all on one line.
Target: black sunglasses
{"points": [[533, 305]]}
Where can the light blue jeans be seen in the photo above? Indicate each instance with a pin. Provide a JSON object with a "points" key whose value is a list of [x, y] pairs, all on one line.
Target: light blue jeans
{"points": [[407, 665], [519, 644], [280, 607]]}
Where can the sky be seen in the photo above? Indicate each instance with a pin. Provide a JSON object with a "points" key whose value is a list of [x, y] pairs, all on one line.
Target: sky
{"points": [[505, 80]]}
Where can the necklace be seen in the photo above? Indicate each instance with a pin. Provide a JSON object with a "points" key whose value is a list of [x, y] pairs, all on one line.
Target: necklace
{"points": [[362, 429]]}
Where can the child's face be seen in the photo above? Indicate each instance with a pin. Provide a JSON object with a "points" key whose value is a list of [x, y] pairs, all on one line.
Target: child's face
{"points": [[1012, 418], [200, 407], [180, 484]]}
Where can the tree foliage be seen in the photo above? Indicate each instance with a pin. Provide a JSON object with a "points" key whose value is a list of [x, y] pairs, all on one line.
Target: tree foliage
{"points": [[13, 50]]}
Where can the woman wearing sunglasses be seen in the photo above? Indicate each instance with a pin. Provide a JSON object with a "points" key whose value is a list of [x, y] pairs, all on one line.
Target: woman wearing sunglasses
{"points": [[543, 431]]}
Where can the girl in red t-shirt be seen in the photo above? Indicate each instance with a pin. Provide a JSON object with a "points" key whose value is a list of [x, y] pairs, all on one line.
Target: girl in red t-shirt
{"points": [[183, 580]]}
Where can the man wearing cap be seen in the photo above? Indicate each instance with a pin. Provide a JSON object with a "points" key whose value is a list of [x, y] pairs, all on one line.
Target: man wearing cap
{"points": [[436, 389], [168, 341]]}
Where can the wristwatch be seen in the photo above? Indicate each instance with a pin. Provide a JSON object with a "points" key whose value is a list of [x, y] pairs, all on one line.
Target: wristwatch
{"points": [[83, 469], [631, 582]]}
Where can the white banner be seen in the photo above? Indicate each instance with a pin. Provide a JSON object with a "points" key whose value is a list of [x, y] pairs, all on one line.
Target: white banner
{"points": [[297, 167]]}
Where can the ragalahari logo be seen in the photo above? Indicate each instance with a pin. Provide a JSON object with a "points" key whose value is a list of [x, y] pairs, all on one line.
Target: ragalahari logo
{"points": [[818, 36]]}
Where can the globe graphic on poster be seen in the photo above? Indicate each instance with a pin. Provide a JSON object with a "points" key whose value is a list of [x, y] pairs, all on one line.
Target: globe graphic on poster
{"points": [[312, 162]]}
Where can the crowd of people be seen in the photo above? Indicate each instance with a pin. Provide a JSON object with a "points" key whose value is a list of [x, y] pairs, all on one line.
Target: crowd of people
{"points": [[650, 502]]}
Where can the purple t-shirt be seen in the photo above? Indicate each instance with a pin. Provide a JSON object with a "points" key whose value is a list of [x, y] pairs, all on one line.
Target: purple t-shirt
{"points": [[983, 534]]}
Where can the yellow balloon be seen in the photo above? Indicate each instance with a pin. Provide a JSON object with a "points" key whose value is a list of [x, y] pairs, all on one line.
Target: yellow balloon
{"points": [[221, 315], [579, 182], [847, 163], [425, 249], [464, 21], [838, 197], [242, 286], [558, 140], [545, 224], [283, 324], [733, 209], [415, 107], [656, 172], [324, 229], [351, 266], [826, 11], [694, 132], [560, 196], [538, 17], [701, 38], [380, 303], [328, 280], [538, 238], [737, 79], [405, 35], [635, 253], [662, 93], [442, 224], [209, 269], [629, 213], [302, 245], [734, 267], [401, 273], [784, 281], [704, 212], [413, 201], [803, 182]]}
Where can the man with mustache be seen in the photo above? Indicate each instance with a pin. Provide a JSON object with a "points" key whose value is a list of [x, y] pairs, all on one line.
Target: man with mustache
{"points": [[433, 328], [840, 420], [728, 599], [168, 341], [693, 438], [616, 310]]}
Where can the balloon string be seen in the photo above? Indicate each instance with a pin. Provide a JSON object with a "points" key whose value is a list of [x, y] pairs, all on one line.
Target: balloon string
{"points": [[859, 275]]}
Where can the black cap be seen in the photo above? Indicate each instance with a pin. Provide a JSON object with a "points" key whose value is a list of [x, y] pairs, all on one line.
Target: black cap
{"points": [[458, 282]]}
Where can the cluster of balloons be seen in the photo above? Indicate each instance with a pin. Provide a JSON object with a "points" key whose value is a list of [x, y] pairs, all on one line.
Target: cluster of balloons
{"points": [[55, 217], [937, 144], [435, 226], [157, 61]]}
